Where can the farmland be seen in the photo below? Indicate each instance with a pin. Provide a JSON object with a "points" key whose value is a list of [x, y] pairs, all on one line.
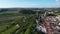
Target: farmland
{"points": [[23, 22], [10, 20]]}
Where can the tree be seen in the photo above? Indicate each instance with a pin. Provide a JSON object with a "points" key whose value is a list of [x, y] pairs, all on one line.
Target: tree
{"points": [[27, 11], [3, 10]]}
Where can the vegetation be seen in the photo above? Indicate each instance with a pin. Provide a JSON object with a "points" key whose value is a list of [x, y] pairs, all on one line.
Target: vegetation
{"points": [[25, 19], [25, 11], [25, 22]]}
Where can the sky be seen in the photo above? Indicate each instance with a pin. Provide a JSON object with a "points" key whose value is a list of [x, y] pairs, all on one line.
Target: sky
{"points": [[29, 3]]}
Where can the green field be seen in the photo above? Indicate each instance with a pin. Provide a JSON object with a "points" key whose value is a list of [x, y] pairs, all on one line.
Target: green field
{"points": [[25, 21]]}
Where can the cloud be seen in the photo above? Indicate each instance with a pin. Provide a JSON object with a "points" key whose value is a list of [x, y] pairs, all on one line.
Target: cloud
{"points": [[57, 0]]}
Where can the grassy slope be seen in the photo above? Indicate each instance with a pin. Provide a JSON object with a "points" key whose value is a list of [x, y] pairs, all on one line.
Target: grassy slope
{"points": [[13, 28], [9, 30]]}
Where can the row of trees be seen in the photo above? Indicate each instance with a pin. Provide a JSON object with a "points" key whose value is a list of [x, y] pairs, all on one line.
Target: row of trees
{"points": [[27, 11], [2, 10]]}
